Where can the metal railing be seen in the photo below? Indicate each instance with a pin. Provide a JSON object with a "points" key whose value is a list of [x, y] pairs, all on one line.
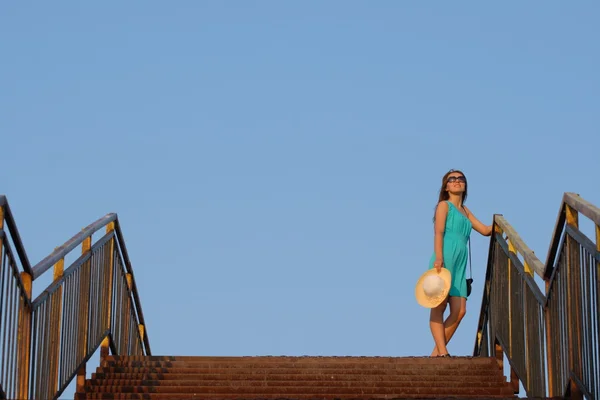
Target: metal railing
{"points": [[94, 303], [551, 339]]}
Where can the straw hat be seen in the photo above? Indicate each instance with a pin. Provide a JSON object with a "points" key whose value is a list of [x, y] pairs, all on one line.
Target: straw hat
{"points": [[433, 287]]}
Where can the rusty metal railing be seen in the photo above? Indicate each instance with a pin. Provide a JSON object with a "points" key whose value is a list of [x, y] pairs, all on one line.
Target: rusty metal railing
{"points": [[93, 304], [551, 338]]}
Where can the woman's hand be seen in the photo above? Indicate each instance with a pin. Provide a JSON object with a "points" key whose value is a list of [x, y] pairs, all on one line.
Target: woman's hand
{"points": [[438, 264], [489, 230]]}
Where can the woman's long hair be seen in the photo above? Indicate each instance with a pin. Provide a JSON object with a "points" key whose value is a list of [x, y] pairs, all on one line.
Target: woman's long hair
{"points": [[444, 195]]}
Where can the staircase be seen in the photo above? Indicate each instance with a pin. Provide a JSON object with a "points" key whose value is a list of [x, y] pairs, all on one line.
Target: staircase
{"points": [[548, 333], [153, 377]]}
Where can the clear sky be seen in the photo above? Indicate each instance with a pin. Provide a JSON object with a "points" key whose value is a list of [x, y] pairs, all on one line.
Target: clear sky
{"points": [[275, 165]]}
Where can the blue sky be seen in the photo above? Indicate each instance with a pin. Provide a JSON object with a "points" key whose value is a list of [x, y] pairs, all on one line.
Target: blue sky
{"points": [[275, 165]]}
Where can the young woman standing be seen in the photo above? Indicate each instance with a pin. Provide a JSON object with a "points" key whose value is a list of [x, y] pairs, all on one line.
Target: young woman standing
{"points": [[453, 222]]}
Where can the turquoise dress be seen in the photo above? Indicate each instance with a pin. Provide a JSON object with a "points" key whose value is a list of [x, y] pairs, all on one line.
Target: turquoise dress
{"points": [[455, 251]]}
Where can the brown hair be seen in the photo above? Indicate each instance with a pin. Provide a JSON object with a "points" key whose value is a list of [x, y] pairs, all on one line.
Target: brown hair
{"points": [[444, 193]]}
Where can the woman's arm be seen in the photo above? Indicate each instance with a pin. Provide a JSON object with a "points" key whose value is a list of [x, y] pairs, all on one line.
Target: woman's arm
{"points": [[438, 238], [485, 230]]}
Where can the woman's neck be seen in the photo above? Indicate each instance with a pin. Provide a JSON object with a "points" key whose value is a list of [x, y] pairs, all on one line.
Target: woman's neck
{"points": [[455, 199]]}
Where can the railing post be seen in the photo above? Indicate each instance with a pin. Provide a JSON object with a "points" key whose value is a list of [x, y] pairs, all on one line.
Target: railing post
{"points": [[142, 331], [511, 250], [528, 346], [105, 346], [493, 307], [84, 300], [129, 279], [24, 338], [574, 391], [514, 380], [549, 348], [499, 354], [56, 319], [573, 293]]}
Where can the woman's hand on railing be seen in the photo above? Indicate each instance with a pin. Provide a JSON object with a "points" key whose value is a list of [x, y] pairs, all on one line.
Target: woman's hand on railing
{"points": [[488, 230]]}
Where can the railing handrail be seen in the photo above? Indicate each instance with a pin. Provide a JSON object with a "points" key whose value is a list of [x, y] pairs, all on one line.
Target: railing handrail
{"points": [[69, 271], [16, 237], [61, 251], [515, 239], [580, 205], [583, 206]]}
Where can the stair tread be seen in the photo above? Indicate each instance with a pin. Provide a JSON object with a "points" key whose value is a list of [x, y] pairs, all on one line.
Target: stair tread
{"points": [[464, 389], [292, 368], [297, 377], [455, 362], [242, 396], [323, 379], [324, 383], [298, 359]]}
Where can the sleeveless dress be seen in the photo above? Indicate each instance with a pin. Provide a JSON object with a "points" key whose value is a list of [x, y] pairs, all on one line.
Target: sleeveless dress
{"points": [[455, 251]]}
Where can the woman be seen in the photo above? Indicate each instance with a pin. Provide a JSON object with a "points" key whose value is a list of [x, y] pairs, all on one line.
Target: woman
{"points": [[452, 223]]}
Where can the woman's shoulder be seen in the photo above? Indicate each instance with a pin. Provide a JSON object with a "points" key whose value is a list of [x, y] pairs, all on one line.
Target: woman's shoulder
{"points": [[442, 205]]}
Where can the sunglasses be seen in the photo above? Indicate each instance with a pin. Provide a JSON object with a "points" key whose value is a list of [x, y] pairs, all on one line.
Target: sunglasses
{"points": [[453, 179]]}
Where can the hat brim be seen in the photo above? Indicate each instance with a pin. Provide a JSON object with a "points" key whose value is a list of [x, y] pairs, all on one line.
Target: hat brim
{"points": [[432, 302]]}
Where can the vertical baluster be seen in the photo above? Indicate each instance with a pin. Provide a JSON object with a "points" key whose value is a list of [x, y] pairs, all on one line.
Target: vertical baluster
{"points": [[586, 295], [64, 333], [595, 284], [512, 311], [83, 309], [38, 348], [530, 335], [43, 375], [34, 347], [128, 314], [511, 250], [550, 348], [24, 337], [3, 265], [56, 318], [4, 282], [74, 319], [573, 272], [493, 288], [12, 343]]}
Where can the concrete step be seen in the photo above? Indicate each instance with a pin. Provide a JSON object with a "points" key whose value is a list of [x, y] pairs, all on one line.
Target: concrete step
{"points": [[293, 390], [95, 384], [241, 396], [297, 359], [410, 371], [319, 380], [307, 377], [476, 375]]}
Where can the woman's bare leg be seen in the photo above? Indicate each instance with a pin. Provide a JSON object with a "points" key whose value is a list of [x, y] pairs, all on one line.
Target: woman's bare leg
{"points": [[458, 309], [436, 324]]}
